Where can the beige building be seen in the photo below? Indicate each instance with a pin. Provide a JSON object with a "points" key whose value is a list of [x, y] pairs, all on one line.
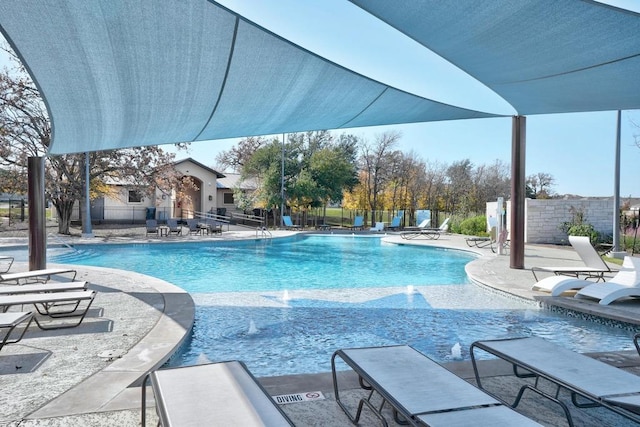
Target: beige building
{"points": [[125, 204]]}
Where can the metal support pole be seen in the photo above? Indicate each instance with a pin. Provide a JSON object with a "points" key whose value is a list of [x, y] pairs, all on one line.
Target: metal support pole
{"points": [[86, 224], [616, 191], [37, 214], [518, 144], [282, 186], [499, 225]]}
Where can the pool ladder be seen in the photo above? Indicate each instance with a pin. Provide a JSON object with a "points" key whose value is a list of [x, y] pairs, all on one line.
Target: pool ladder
{"points": [[263, 233]]}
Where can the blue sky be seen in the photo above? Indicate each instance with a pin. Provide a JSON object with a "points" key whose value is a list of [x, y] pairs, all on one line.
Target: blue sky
{"points": [[577, 149]]}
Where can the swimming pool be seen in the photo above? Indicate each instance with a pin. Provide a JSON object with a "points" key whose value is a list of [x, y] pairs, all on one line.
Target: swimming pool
{"points": [[302, 262], [283, 306]]}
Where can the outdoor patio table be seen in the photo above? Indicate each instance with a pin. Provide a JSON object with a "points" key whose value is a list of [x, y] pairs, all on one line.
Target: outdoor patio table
{"points": [[163, 230]]}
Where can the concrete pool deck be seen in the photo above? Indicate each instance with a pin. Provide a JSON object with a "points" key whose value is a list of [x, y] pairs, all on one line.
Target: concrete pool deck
{"points": [[90, 375]]}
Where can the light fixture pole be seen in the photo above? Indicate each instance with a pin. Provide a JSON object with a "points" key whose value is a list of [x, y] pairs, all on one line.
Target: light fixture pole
{"points": [[616, 191], [282, 186], [86, 224]]}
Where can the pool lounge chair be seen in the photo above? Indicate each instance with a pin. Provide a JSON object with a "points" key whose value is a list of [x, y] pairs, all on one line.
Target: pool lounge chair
{"points": [[152, 226], [35, 276], [48, 305], [174, 227], [597, 383], [594, 267], [480, 241], [420, 390], [358, 223], [288, 224], [395, 223], [379, 227], [10, 321], [484, 241], [429, 233], [214, 394], [627, 277], [423, 225], [43, 287], [625, 284], [211, 226], [196, 226], [6, 259]]}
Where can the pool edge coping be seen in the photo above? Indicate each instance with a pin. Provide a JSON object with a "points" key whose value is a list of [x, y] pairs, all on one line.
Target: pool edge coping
{"points": [[104, 390]]}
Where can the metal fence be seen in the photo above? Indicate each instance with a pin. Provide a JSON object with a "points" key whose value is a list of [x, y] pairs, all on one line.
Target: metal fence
{"points": [[15, 211]]}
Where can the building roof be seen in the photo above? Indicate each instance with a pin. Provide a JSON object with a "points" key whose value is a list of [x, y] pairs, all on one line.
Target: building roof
{"points": [[233, 180], [195, 162]]}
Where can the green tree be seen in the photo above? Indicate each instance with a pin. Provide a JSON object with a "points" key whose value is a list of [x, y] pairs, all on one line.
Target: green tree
{"points": [[316, 170], [333, 172]]}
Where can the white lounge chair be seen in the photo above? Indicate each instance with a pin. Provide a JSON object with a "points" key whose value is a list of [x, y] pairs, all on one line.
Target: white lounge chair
{"points": [[430, 233], [379, 227], [9, 322], [423, 225], [43, 287], [594, 267], [214, 394], [46, 303], [420, 390], [35, 276], [597, 383], [557, 285], [8, 259], [625, 284]]}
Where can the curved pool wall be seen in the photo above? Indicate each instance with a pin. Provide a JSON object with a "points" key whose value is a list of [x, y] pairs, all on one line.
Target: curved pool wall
{"points": [[287, 330]]}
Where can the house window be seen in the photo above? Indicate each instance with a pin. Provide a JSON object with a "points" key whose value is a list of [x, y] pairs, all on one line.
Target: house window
{"points": [[135, 196], [228, 199]]}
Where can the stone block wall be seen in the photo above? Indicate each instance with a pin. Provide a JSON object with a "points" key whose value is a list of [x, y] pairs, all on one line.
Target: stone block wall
{"points": [[543, 217]]}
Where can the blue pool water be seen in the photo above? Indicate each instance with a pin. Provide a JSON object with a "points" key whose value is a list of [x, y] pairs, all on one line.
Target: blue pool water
{"points": [[284, 306], [309, 262]]}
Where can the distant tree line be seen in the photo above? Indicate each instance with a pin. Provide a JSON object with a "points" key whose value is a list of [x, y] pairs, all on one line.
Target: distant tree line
{"points": [[369, 176]]}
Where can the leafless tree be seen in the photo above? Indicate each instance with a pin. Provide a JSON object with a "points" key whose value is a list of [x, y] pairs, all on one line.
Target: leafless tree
{"points": [[376, 162]]}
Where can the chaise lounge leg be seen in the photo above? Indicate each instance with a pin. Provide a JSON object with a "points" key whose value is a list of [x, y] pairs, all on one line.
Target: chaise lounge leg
{"points": [[543, 394], [65, 326]]}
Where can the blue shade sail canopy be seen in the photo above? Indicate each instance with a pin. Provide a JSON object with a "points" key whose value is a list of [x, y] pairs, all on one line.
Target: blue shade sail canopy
{"points": [[123, 73], [541, 56]]}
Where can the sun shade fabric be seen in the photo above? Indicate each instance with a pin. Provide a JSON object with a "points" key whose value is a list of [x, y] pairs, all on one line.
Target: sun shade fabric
{"points": [[541, 56], [123, 73]]}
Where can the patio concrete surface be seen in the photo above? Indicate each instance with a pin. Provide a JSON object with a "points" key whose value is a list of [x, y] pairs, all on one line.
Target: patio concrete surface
{"points": [[91, 375]]}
